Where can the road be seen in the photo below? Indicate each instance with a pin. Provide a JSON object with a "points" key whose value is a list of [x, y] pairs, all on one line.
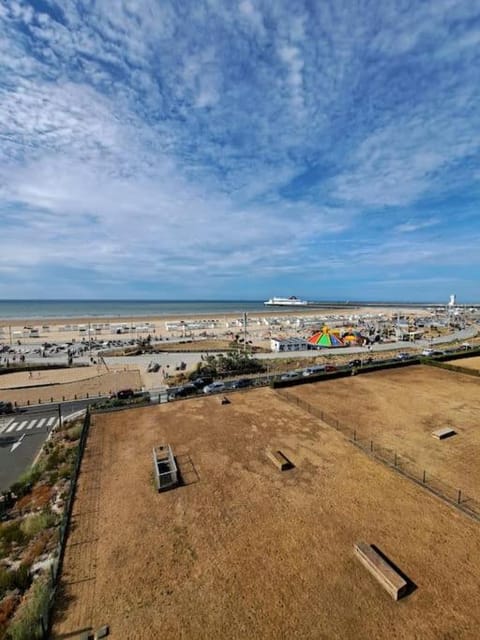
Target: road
{"points": [[23, 434]]}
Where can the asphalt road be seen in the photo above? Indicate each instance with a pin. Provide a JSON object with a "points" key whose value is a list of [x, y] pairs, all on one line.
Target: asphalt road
{"points": [[22, 435]]}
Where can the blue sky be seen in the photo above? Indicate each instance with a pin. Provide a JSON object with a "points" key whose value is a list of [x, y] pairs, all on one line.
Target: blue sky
{"points": [[240, 149]]}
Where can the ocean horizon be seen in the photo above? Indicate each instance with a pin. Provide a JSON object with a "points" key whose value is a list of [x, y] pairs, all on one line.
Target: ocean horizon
{"points": [[23, 309]]}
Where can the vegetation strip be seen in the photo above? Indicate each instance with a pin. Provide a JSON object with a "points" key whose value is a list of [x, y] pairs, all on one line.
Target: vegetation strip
{"points": [[35, 516]]}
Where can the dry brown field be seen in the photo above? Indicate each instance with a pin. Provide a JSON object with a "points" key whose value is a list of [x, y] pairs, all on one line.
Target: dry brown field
{"points": [[97, 384], [242, 550], [400, 408], [469, 363]]}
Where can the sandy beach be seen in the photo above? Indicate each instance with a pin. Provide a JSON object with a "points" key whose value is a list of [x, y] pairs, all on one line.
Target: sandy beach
{"points": [[268, 321]]}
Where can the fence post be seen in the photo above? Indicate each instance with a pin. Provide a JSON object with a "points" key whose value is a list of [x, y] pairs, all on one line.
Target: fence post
{"points": [[371, 445], [354, 435], [424, 476], [459, 496], [395, 459]]}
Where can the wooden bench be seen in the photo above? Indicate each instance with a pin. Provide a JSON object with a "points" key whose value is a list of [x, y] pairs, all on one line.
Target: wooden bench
{"points": [[441, 434], [388, 577], [279, 460]]}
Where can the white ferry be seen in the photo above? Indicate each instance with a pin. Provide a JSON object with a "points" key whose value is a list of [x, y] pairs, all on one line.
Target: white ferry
{"points": [[292, 301]]}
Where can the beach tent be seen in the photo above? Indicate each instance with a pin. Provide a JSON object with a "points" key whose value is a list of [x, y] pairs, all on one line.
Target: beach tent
{"points": [[326, 338]]}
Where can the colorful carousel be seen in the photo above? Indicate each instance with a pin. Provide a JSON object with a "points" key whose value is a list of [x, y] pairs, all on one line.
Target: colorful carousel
{"points": [[326, 338]]}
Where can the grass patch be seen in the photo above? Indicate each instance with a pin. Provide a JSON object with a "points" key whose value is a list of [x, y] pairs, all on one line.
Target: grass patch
{"points": [[26, 623], [11, 534], [17, 579], [73, 433], [33, 524], [26, 481]]}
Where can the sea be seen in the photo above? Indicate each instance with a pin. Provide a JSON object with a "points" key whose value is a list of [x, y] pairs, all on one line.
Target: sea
{"points": [[23, 309]]}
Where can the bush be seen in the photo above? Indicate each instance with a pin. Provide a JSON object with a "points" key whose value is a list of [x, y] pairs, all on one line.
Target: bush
{"points": [[35, 523], [6, 581], [25, 625], [26, 481], [73, 433], [10, 533]]}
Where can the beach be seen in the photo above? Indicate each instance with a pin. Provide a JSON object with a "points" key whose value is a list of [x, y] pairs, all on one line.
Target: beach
{"points": [[263, 323]]}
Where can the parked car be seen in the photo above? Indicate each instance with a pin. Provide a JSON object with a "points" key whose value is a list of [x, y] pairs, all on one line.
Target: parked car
{"points": [[6, 407], [214, 387], [403, 355], [124, 394], [240, 384], [202, 382], [311, 371], [290, 375], [432, 352], [183, 391]]}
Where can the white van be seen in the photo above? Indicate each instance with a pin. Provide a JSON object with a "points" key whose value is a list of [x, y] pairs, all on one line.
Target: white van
{"points": [[311, 371]]}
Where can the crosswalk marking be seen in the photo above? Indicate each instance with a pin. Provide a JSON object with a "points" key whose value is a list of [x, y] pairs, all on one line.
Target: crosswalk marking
{"points": [[5, 425], [27, 425]]}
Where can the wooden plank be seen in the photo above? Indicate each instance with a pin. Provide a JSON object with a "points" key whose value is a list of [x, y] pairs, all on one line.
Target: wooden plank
{"points": [[386, 575], [440, 434], [279, 460]]}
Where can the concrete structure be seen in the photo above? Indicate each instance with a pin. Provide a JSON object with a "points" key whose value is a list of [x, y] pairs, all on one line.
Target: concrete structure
{"points": [[165, 468], [289, 344], [386, 575]]}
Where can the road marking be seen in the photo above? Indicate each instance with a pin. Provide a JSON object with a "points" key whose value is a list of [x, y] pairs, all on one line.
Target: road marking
{"points": [[11, 427], [6, 424], [41, 423], [21, 425], [31, 424], [18, 443], [51, 421]]}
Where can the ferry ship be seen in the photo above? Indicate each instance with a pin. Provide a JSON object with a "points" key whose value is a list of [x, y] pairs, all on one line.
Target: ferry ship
{"points": [[292, 301]]}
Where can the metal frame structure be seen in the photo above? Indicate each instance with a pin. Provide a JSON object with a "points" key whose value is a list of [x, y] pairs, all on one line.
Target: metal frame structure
{"points": [[164, 467]]}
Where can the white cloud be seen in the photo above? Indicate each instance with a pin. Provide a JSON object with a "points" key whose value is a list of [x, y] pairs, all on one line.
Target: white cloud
{"points": [[410, 227], [141, 138]]}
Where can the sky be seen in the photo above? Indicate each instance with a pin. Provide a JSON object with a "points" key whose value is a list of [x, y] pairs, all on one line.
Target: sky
{"points": [[240, 149]]}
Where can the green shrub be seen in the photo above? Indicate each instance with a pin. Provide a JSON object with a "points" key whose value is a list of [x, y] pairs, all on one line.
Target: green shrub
{"points": [[16, 579], [55, 458], [11, 533], [65, 473], [35, 523], [74, 433], [26, 481], [6, 581], [26, 623]]}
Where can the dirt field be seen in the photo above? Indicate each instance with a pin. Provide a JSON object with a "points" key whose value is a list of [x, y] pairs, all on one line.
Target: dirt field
{"points": [[245, 551], [400, 408], [469, 363], [94, 385]]}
